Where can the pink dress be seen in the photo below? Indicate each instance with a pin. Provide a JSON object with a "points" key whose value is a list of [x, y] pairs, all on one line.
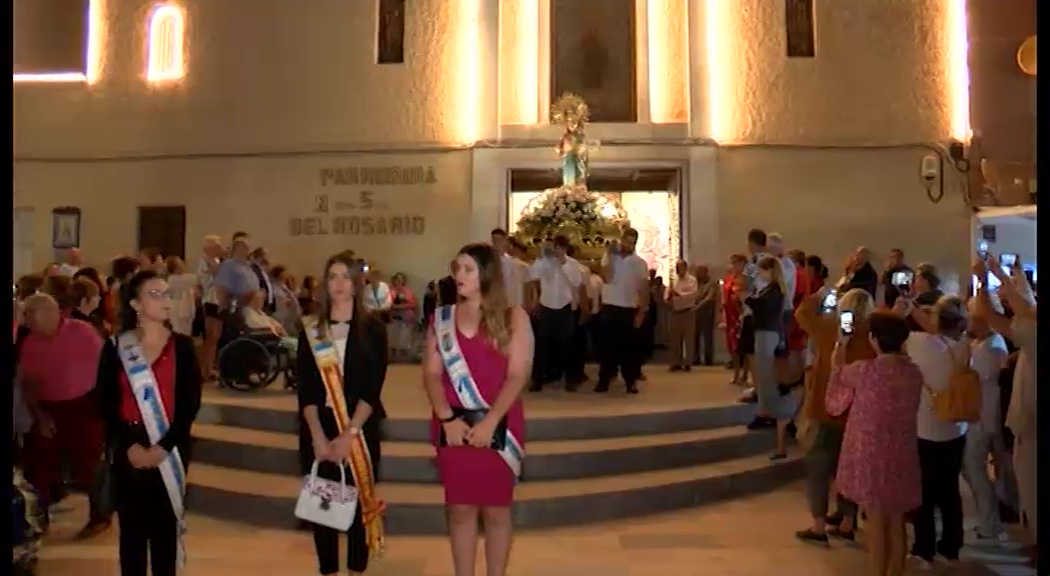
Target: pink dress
{"points": [[478, 476], [879, 463]]}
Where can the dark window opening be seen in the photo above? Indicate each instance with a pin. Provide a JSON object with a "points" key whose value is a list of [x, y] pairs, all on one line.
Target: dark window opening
{"points": [[163, 228], [801, 40], [50, 36], [391, 38]]}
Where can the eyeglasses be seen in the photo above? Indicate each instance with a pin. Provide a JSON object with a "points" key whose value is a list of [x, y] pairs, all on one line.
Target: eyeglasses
{"points": [[159, 294]]}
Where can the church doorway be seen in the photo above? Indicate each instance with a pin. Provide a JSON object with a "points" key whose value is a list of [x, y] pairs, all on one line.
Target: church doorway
{"points": [[652, 198]]}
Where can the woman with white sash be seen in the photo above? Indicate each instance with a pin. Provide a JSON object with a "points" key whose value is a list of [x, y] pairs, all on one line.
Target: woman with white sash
{"points": [[149, 386], [477, 359], [341, 409]]}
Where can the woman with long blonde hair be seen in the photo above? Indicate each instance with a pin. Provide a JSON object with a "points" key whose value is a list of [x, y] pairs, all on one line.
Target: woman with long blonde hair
{"points": [[767, 311], [359, 340], [485, 346]]}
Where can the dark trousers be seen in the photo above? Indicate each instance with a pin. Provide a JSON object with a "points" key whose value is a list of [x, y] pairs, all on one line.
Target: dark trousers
{"points": [[620, 346], [78, 435], [822, 462], [577, 356], [940, 463], [148, 529], [554, 330], [705, 335], [326, 540]]}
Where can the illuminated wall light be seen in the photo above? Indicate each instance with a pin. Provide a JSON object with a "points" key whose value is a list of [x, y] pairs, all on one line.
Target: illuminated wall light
{"points": [[719, 115], [93, 57], [468, 66], [958, 71], [668, 71], [166, 36], [528, 65]]}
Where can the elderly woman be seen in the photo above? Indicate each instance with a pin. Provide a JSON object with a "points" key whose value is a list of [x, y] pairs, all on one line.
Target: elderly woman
{"points": [[403, 317], [824, 437]]}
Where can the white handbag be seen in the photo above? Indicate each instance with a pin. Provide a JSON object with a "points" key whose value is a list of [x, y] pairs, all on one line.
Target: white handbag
{"points": [[327, 502]]}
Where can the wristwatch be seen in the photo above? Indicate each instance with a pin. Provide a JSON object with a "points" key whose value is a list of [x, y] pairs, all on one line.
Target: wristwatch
{"points": [[451, 418], [354, 431]]}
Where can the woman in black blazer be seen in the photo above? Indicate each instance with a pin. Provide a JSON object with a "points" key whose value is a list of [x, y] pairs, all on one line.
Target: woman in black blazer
{"points": [[361, 342], [143, 507]]}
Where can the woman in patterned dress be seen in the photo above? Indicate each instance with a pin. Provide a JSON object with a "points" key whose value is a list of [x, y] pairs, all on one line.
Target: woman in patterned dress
{"points": [[879, 465], [731, 308]]}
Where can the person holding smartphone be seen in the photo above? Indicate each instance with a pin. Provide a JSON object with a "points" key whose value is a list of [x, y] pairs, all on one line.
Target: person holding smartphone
{"points": [[894, 274]]}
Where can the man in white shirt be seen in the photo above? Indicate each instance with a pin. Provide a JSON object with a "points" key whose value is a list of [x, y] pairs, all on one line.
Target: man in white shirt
{"points": [[73, 262], [625, 301], [577, 353], [560, 279], [516, 273]]}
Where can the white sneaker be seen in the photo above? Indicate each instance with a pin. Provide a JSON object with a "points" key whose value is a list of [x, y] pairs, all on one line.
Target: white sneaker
{"points": [[996, 539], [919, 563]]}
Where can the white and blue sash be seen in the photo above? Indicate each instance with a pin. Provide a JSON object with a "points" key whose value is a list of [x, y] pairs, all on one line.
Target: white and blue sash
{"points": [[151, 407], [463, 381]]}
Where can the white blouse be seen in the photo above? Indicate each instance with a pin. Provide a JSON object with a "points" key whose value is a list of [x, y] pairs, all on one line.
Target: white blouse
{"points": [[931, 354]]}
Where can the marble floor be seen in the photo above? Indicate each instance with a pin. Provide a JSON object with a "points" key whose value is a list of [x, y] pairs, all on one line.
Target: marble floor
{"points": [[752, 536]]}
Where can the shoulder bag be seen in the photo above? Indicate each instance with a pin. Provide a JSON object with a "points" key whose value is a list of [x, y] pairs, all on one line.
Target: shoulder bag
{"points": [[961, 400]]}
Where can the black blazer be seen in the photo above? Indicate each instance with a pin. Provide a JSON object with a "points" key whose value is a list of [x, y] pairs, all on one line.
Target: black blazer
{"points": [[364, 371], [187, 395], [767, 308]]}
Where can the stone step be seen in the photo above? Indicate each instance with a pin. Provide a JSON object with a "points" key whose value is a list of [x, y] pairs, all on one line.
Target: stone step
{"points": [[268, 500], [277, 414], [412, 462]]}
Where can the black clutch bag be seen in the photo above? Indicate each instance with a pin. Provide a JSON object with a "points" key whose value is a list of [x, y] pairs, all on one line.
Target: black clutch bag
{"points": [[473, 418]]}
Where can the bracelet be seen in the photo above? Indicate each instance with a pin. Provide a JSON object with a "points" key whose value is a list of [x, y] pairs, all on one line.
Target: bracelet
{"points": [[451, 418]]}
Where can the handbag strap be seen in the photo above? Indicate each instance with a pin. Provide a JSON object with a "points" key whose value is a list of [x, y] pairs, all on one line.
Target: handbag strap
{"points": [[342, 477]]}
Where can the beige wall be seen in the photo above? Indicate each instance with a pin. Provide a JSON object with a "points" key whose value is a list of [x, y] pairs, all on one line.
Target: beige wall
{"points": [[273, 74], [879, 76], [260, 196], [828, 202]]}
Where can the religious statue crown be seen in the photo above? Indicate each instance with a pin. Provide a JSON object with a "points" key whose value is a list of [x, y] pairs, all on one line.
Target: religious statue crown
{"points": [[588, 219]]}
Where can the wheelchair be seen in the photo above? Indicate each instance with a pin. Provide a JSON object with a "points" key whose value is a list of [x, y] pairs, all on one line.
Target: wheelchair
{"points": [[252, 359]]}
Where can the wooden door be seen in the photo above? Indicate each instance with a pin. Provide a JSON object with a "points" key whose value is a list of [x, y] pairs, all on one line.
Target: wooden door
{"points": [[163, 228]]}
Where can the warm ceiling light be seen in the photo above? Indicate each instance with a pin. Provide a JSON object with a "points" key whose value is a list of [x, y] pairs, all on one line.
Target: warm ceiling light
{"points": [[958, 71]]}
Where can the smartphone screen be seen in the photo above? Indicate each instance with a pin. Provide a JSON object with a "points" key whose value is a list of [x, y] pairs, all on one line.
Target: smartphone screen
{"points": [[830, 301], [1008, 260], [846, 323], [901, 278]]}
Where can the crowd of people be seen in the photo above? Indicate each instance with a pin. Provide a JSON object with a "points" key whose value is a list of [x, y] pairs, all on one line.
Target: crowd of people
{"points": [[859, 371]]}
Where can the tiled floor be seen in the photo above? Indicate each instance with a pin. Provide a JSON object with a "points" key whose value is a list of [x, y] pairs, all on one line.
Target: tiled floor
{"points": [[745, 537]]}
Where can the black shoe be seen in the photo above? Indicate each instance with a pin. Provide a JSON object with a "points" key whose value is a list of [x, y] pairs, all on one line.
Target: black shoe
{"points": [[835, 532], [777, 456], [812, 537], [602, 387], [761, 423], [676, 368], [833, 519], [632, 388]]}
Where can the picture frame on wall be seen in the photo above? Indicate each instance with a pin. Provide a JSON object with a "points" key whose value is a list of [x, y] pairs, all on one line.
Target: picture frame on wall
{"points": [[65, 228]]}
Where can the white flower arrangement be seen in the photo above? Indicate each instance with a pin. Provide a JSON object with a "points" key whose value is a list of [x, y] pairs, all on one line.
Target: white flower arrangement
{"points": [[588, 219]]}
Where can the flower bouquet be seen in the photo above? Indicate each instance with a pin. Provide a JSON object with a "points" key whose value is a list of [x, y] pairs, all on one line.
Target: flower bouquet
{"points": [[589, 220]]}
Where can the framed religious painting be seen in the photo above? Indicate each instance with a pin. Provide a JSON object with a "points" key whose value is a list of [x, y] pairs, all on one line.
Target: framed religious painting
{"points": [[65, 228]]}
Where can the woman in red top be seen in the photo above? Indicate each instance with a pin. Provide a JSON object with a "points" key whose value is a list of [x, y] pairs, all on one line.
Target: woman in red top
{"points": [[143, 508], [731, 307]]}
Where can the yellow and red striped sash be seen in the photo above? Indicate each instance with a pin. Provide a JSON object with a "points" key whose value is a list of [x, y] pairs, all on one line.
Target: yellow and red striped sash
{"points": [[360, 460]]}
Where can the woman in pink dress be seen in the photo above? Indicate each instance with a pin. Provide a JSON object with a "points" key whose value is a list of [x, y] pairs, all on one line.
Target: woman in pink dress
{"points": [[479, 424], [879, 465]]}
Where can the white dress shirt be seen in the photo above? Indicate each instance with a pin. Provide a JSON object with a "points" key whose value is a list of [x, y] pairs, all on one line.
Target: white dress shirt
{"points": [[585, 275], [935, 360], [685, 290], [558, 281], [787, 268], [516, 275], [630, 275], [987, 359], [594, 291]]}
